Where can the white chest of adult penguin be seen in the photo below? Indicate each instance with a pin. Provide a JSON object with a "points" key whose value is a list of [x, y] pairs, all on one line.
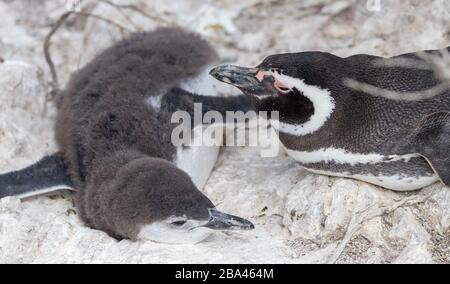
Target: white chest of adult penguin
{"points": [[398, 138], [114, 134]]}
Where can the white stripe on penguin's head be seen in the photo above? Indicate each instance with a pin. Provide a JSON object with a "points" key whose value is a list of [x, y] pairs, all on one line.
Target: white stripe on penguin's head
{"points": [[321, 99]]}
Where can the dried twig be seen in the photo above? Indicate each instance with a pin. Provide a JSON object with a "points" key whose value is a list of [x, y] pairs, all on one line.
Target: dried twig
{"points": [[47, 55], [55, 82], [137, 10], [125, 15], [111, 22], [47, 42]]}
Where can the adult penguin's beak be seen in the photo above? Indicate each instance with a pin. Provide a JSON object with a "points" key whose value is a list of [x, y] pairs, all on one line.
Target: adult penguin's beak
{"points": [[241, 77]]}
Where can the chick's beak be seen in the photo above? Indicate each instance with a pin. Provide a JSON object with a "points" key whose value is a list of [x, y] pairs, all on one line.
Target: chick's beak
{"points": [[222, 221]]}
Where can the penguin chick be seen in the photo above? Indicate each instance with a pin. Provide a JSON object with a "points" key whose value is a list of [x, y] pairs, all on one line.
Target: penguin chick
{"points": [[116, 142], [113, 130], [333, 129], [150, 198]]}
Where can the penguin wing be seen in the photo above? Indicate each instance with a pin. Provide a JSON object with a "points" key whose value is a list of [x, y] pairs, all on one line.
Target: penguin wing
{"points": [[180, 99], [408, 77], [431, 139], [47, 175]]}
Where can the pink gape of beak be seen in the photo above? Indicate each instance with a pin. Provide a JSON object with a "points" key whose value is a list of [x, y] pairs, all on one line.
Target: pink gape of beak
{"points": [[281, 87], [277, 84]]}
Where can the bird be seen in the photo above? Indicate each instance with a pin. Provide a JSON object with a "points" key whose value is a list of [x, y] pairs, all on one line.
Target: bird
{"points": [[385, 121], [113, 131]]}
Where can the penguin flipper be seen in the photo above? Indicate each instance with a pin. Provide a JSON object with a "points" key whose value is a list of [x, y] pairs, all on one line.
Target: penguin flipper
{"points": [[47, 175], [179, 99], [431, 139]]}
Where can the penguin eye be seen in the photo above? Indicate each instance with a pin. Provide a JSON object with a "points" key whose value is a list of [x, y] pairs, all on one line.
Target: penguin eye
{"points": [[179, 223]]}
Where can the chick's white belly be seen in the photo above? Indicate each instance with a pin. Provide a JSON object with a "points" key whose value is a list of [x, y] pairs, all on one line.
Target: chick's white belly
{"points": [[198, 160]]}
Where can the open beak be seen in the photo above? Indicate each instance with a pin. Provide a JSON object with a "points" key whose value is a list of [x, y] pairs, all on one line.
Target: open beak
{"points": [[241, 77], [222, 221]]}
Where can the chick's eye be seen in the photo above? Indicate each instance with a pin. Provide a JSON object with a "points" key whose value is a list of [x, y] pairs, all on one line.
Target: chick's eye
{"points": [[179, 223]]}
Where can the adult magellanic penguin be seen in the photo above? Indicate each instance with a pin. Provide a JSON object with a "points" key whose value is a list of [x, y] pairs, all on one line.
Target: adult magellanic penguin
{"points": [[114, 134], [399, 139]]}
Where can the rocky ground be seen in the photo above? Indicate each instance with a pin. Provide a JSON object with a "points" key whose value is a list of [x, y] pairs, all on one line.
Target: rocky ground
{"points": [[300, 217]]}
